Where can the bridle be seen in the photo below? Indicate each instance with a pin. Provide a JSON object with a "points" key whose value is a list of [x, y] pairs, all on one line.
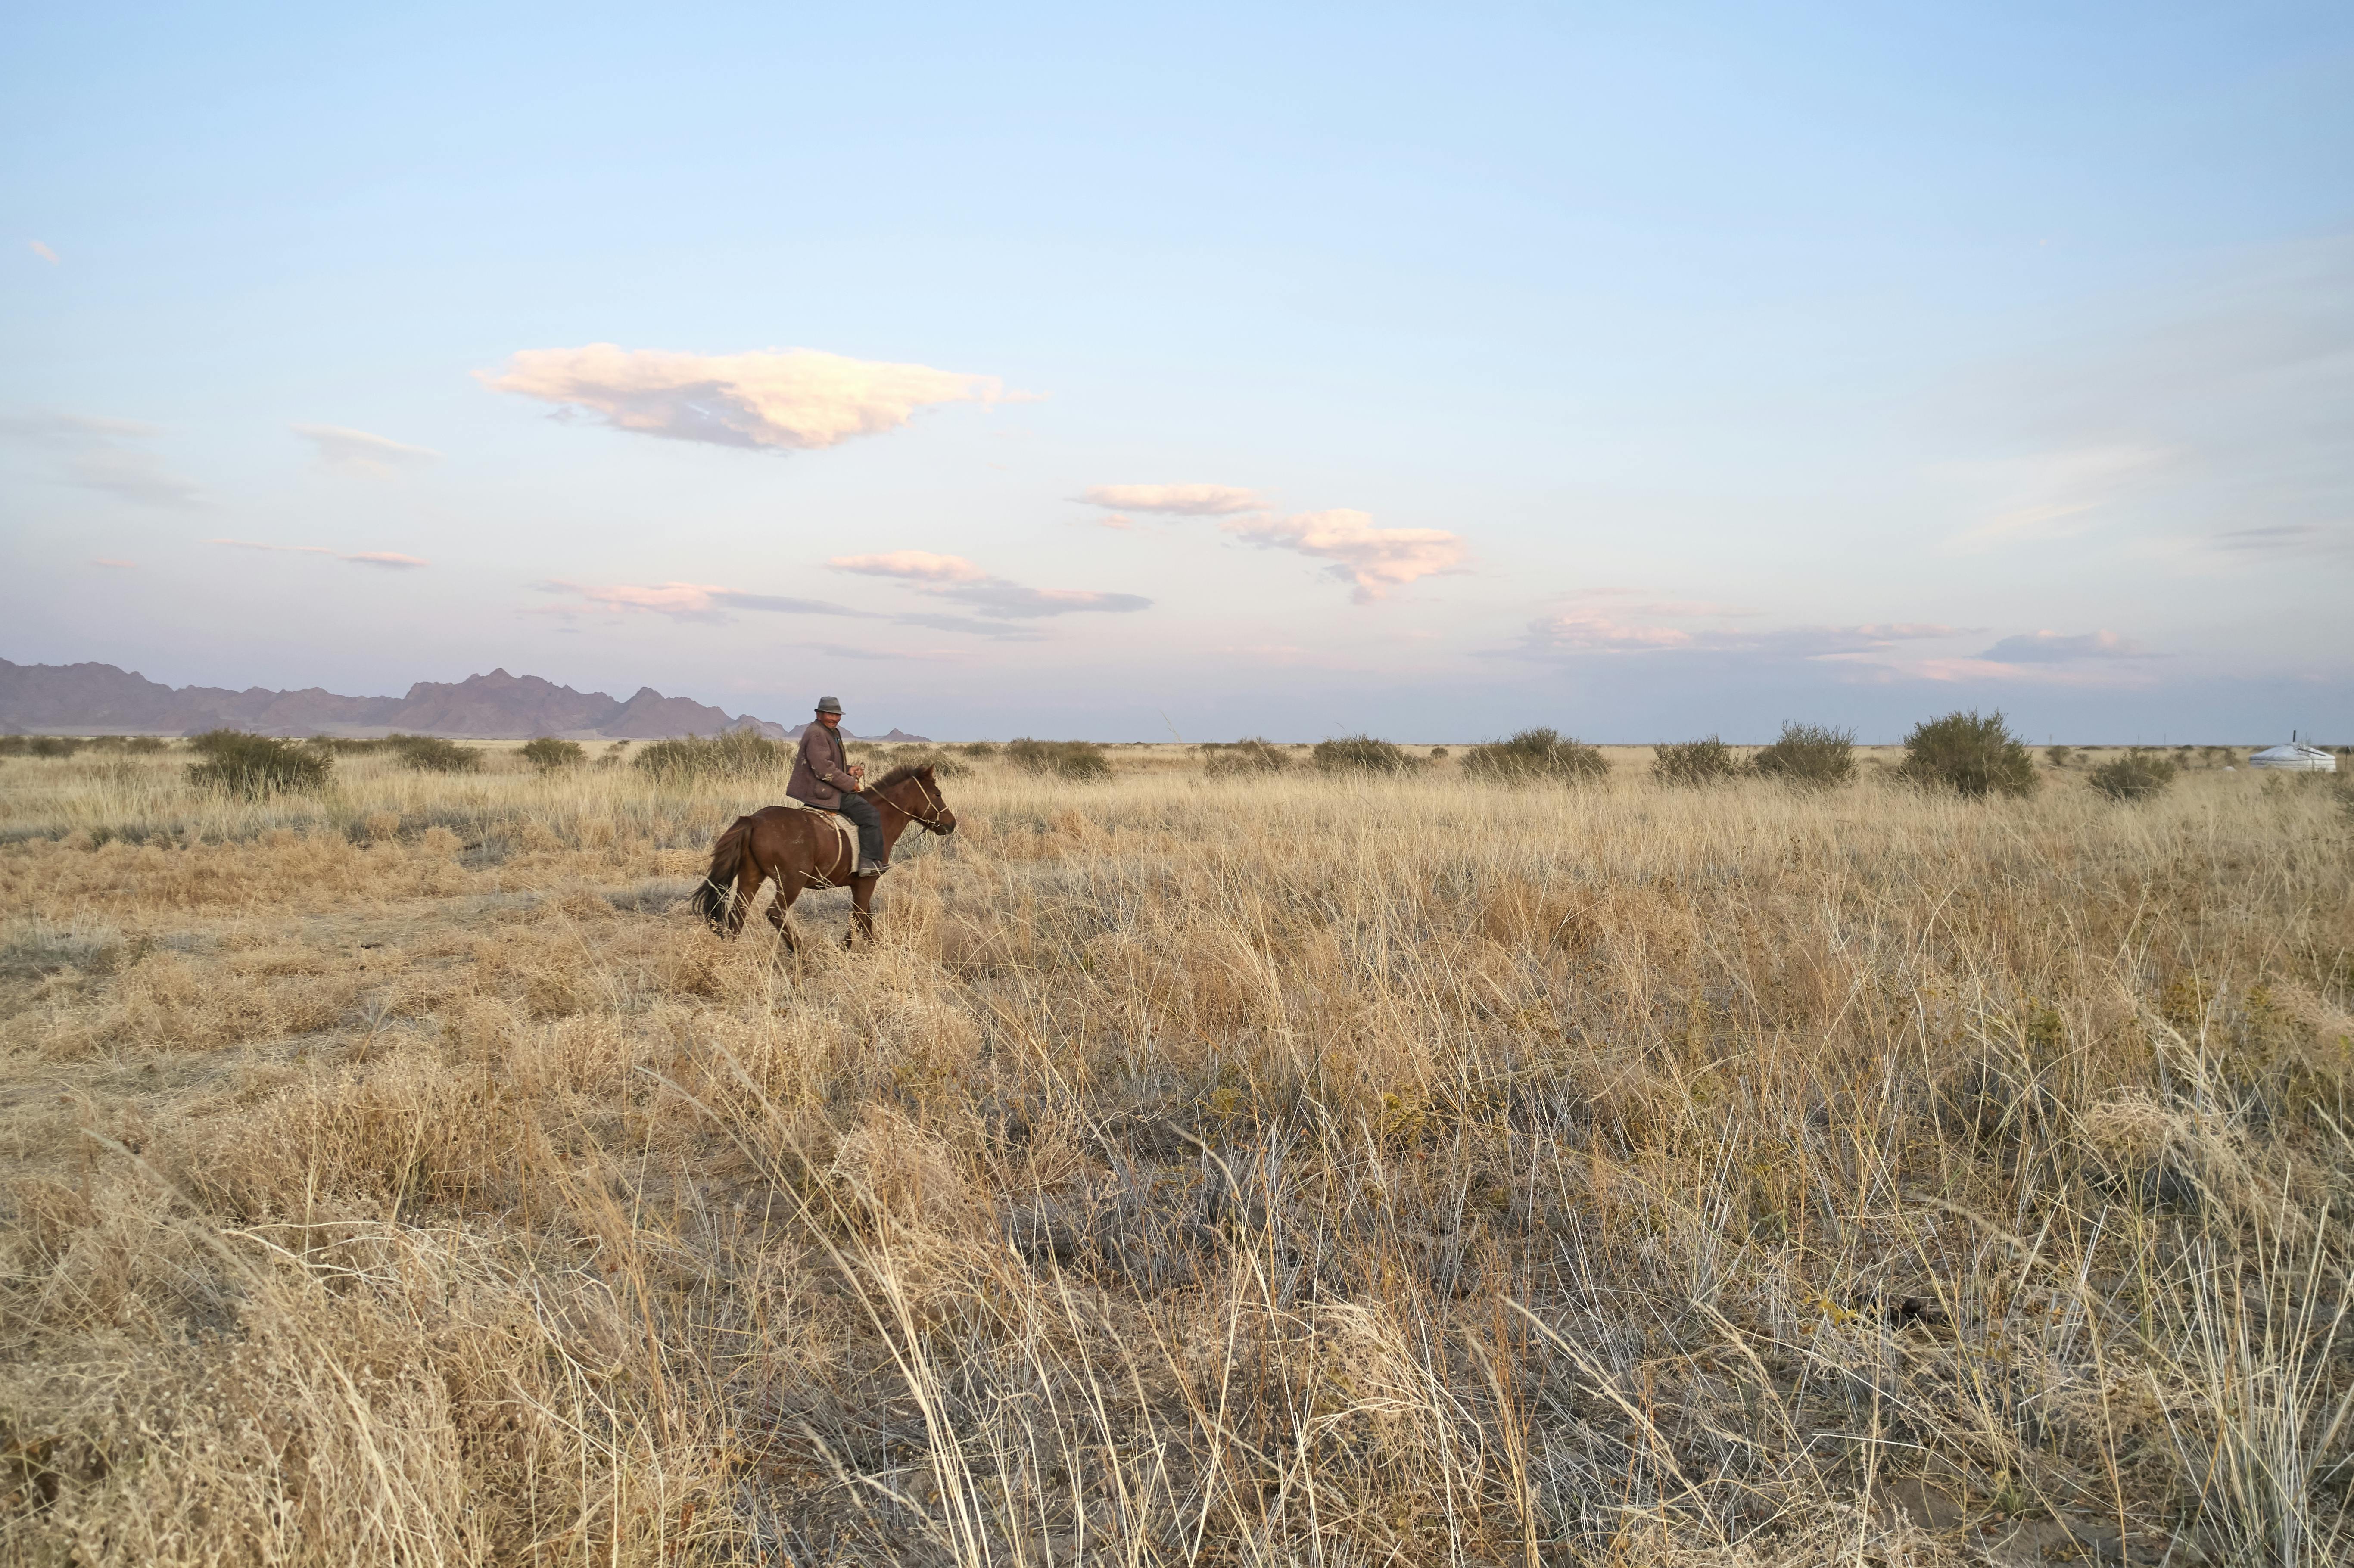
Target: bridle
{"points": [[934, 801]]}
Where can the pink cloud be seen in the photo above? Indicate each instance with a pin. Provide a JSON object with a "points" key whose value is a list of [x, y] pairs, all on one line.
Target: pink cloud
{"points": [[392, 559], [796, 399], [1175, 500], [916, 565], [1376, 559]]}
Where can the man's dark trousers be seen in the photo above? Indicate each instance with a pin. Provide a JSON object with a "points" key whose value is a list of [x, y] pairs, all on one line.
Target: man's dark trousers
{"points": [[861, 811]]}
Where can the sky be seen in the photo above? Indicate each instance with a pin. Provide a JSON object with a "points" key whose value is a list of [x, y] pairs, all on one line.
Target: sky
{"points": [[1128, 373]]}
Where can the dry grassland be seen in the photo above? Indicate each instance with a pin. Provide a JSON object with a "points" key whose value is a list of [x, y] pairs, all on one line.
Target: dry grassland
{"points": [[1295, 1172]]}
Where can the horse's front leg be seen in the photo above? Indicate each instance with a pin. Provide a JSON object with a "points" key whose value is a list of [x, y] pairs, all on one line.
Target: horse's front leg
{"points": [[786, 893], [862, 912]]}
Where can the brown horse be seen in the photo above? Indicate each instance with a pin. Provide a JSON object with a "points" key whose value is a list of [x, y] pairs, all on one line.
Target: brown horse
{"points": [[801, 848]]}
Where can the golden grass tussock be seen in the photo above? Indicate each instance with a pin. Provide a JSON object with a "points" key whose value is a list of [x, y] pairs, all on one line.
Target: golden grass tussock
{"points": [[1267, 1166]]}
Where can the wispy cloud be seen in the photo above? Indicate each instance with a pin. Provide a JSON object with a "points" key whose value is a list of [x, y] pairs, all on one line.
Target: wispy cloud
{"points": [[1175, 500], [916, 566], [390, 559], [2054, 648], [124, 565], [681, 601], [41, 250], [1376, 559], [2051, 495], [362, 454], [100, 454], [1573, 633], [953, 576], [795, 399]]}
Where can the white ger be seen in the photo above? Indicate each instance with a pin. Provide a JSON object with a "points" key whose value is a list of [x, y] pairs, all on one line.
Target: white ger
{"points": [[2296, 759]]}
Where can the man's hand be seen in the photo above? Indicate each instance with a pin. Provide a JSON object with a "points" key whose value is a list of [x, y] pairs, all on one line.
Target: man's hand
{"points": [[858, 770]]}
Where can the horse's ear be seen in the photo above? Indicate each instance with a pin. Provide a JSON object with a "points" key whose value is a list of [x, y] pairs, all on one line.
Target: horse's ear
{"points": [[926, 771]]}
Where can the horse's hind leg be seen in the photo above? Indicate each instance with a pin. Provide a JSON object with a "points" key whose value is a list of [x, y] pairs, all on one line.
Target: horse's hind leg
{"points": [[786, 893], [748, 888], [862, 912]]}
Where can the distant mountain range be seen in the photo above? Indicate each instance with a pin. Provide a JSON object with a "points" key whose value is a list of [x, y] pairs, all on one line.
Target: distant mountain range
{"points": [[87, 699]]}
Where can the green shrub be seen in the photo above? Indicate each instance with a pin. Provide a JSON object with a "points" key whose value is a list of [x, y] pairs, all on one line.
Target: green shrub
{"points": [[128, 745], [350, 744], [1361, 754], [1694, 763], [1810, 756], [1073, 759], [550, 755], [981, 751], [432, 754], [2059, 756], [1536, 755], [38, 746], [2136, 776], [1438, 754], [738, 754], [943, 763], [1244, 757], [1970, 755], [255, 764]]}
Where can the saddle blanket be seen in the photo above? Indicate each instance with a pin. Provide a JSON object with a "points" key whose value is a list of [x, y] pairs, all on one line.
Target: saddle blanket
{"points": [[842, 824]]}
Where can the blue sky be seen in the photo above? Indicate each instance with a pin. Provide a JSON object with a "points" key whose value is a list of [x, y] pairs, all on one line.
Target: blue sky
{"points": [[1435, 372]]}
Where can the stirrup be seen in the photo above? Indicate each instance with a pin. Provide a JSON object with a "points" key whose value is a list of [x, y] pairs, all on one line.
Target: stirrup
{"points": [[872, 868]]}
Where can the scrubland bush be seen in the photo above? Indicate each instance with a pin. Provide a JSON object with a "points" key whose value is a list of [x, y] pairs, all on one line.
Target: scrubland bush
{"points": [[432, 754], [1536, 757], [978, 750], [738, 754], [1694, 763], [1438, 754], [1361, 754], [255, 765], [347, 744], [129, 745], [2136, 776], [1970, 754], [2060, 755], [1077, 760], [1809, 756], [550, 755], [38, 746], [943, 762], [1244, 757]]}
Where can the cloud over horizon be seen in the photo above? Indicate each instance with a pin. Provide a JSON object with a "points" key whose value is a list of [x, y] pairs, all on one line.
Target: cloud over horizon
{"points": [[795, 399], [1175, 500], [392, 559], [358, 453], [2053, 648], [95, 454], [953, 576], [1374, 559]]}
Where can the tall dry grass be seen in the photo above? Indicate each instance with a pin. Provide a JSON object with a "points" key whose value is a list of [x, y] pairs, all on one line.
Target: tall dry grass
{"points": [[1291, 1170]]}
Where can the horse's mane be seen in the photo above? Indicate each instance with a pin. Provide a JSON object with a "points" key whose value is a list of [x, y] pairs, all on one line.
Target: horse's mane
{"points": [[900, 775]]}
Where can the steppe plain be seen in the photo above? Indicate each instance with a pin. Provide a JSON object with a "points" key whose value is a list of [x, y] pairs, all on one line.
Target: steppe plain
{"points": [[1282, 1171]]}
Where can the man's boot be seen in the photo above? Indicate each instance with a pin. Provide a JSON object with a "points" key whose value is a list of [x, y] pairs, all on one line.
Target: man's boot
{"points": [[872, 868]]}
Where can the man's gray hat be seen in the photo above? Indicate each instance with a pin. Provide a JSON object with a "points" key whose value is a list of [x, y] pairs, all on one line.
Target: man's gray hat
{"points": [[829, 704]]}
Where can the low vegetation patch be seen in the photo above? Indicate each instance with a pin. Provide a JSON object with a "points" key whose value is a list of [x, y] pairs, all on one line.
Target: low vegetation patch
{"points": [[1695, 764], [251, 766], [432, 754], [1810, 756], [2136, 776], [1970, 754], [944, 763], [1361, 754], [550, 755], [1243, 758], [38, 746], [740, 754], [1079, 761], [1536, 757]]}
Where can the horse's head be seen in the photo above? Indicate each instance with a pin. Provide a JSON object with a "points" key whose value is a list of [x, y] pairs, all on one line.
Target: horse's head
{"points": [[915, 795]]}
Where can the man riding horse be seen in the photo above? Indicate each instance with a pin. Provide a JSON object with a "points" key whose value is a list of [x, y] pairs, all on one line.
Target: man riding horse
{"points": [[823, 777]]}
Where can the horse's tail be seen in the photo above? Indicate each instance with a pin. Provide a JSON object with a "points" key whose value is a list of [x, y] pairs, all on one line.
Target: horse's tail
{"points": [[711, 899]]}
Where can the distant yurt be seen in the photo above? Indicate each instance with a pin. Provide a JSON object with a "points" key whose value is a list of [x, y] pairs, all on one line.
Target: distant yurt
{"points": [[2295, 759]]}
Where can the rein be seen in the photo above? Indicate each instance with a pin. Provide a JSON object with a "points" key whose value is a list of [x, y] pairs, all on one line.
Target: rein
{"points": [[934, 801]]}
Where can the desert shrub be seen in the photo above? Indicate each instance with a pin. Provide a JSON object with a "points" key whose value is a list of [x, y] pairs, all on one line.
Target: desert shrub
{"points": [[740, 754], [1694, 763], [255, 764], [943, 763], [1244, 757], [432, 754], [981, 751], [1536, 755], [2136, 776], [127, 745], [346, 744], [38, 746], [1361, 754], [1970, 754], [1438, 754], [2059, 756], [1074, 760], [1811, 755], [550, 755]]}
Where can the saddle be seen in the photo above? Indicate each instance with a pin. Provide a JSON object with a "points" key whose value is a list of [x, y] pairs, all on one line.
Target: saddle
{"points": [[842, 824]]}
